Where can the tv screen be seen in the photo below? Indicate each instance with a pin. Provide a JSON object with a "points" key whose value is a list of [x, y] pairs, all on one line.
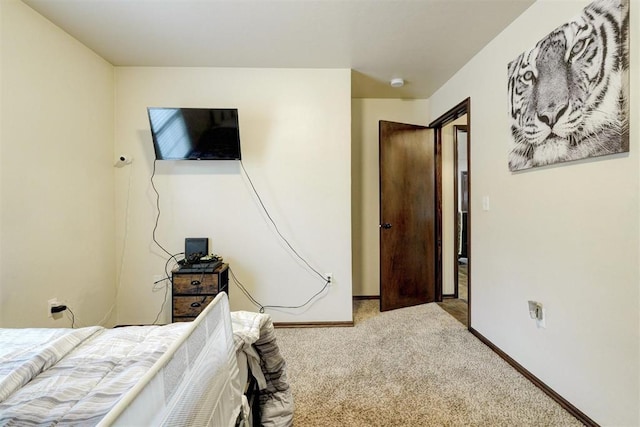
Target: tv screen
{"points": [[195, 133]]}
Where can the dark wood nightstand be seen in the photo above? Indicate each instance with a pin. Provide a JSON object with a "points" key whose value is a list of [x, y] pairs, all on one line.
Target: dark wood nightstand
{"points": [[193, 291]]}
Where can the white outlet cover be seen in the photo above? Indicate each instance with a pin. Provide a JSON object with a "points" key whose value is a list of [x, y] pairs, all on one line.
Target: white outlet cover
{"points": [[542, 323], [51, 303]]}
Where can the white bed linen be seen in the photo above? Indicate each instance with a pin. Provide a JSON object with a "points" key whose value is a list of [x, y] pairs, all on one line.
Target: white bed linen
{"points": [[25, 353], [84, 385], [178, 374], [194, 383]]}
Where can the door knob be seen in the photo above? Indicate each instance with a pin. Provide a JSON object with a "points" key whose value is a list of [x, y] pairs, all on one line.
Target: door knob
{"points": [[386, 225]]}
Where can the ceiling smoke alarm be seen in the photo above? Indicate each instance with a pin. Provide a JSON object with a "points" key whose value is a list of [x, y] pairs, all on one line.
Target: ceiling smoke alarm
{"points": [[397, 82]]}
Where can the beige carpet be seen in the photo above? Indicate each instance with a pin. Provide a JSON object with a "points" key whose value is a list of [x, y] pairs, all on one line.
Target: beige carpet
{"points": [[463, 281], [415, 366]]}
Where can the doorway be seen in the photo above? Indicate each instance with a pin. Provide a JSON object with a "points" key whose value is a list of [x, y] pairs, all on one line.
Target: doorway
{"points": [[416, 235], [454, 184], [461, 209]]}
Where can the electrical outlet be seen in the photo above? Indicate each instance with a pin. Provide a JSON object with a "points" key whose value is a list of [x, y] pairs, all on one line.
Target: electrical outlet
{"points": [[51, 303], [328, 277], [538, 313], [541, 321]]}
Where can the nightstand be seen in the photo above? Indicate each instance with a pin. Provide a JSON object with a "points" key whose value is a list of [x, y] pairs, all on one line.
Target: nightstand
{"points": [[193, 291]]}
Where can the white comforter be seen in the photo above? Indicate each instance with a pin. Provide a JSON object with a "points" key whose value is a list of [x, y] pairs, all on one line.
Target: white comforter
{"points": [[27, 352], [74, 375], [77, 376]]}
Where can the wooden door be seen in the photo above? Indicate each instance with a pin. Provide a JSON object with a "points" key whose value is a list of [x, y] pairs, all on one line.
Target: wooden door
{"points": [[407, 215]]}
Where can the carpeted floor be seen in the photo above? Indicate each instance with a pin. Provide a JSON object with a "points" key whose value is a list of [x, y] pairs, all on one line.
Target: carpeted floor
{"points": [[463, 280], [414, 366]]}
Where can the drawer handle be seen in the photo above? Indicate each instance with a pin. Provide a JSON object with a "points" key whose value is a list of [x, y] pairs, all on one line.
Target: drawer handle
{"points": [[195, 304], [195, 282]]}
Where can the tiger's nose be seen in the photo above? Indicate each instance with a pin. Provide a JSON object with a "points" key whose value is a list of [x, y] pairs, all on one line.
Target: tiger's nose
{"points": [[552, 114]]}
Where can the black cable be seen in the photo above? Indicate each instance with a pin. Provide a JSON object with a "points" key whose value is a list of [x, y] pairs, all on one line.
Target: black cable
{"points": [[276, 227], [244, 291], [241, 286], [261, 307], [155, 227], [236, 281], [297, 306], [167, 276], [164, 301], [73, 317], [153, 235], [166, 264], [166, 286]]}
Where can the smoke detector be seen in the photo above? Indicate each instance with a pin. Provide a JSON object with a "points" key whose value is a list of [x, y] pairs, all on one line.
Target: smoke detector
{"points": [[397, 82]]}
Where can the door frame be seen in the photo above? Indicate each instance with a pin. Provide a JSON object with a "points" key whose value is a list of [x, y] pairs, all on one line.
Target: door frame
{"points": [[456, 205], [459, 110]]}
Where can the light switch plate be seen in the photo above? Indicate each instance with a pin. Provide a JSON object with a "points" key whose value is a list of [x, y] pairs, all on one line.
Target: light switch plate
{"points": [[485, 203]]}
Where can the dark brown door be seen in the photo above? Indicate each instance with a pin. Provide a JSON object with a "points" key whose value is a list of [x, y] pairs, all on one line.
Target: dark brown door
{"points": [[407, 215]]}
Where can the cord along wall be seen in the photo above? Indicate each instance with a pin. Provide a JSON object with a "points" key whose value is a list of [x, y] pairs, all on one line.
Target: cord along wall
{"points": [[295, 135]]}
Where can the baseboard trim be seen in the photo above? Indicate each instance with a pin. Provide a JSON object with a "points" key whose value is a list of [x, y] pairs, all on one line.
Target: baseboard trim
{"points": [[312, 324], [324, 324], [581, 416], [365, 297]]}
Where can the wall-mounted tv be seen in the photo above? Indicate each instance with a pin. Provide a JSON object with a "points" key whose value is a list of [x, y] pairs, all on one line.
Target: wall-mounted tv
{"points": [[195, 133]]}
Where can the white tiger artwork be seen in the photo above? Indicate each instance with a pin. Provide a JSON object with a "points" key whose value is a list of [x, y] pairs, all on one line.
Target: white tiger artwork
{"points": [[568, 96]]}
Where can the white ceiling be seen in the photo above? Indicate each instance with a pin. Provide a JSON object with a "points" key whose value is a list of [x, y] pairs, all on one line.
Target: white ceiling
{"points": [[423, 41]]}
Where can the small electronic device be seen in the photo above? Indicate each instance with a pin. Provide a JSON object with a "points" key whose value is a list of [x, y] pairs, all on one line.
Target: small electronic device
{"points": [[195, 248], [207, 267]]}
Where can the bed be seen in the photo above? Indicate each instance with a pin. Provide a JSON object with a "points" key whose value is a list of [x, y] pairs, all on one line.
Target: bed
{"points": [[203, 373]]}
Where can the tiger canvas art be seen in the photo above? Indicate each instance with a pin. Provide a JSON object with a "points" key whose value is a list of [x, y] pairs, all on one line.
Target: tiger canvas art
{"points": [[569, 94]]}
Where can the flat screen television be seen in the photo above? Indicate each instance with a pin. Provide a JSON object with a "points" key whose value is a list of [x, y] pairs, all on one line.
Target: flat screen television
{"points": [[195, 133]]}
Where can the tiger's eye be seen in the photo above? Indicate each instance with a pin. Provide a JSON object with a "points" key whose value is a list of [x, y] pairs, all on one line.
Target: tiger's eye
{"points": [[577, 47], [528, 76]]}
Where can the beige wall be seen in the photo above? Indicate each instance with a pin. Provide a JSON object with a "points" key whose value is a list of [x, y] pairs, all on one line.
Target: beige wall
{"points": [[56, 174], [295, 131], [365, 205], [565, 235]]}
